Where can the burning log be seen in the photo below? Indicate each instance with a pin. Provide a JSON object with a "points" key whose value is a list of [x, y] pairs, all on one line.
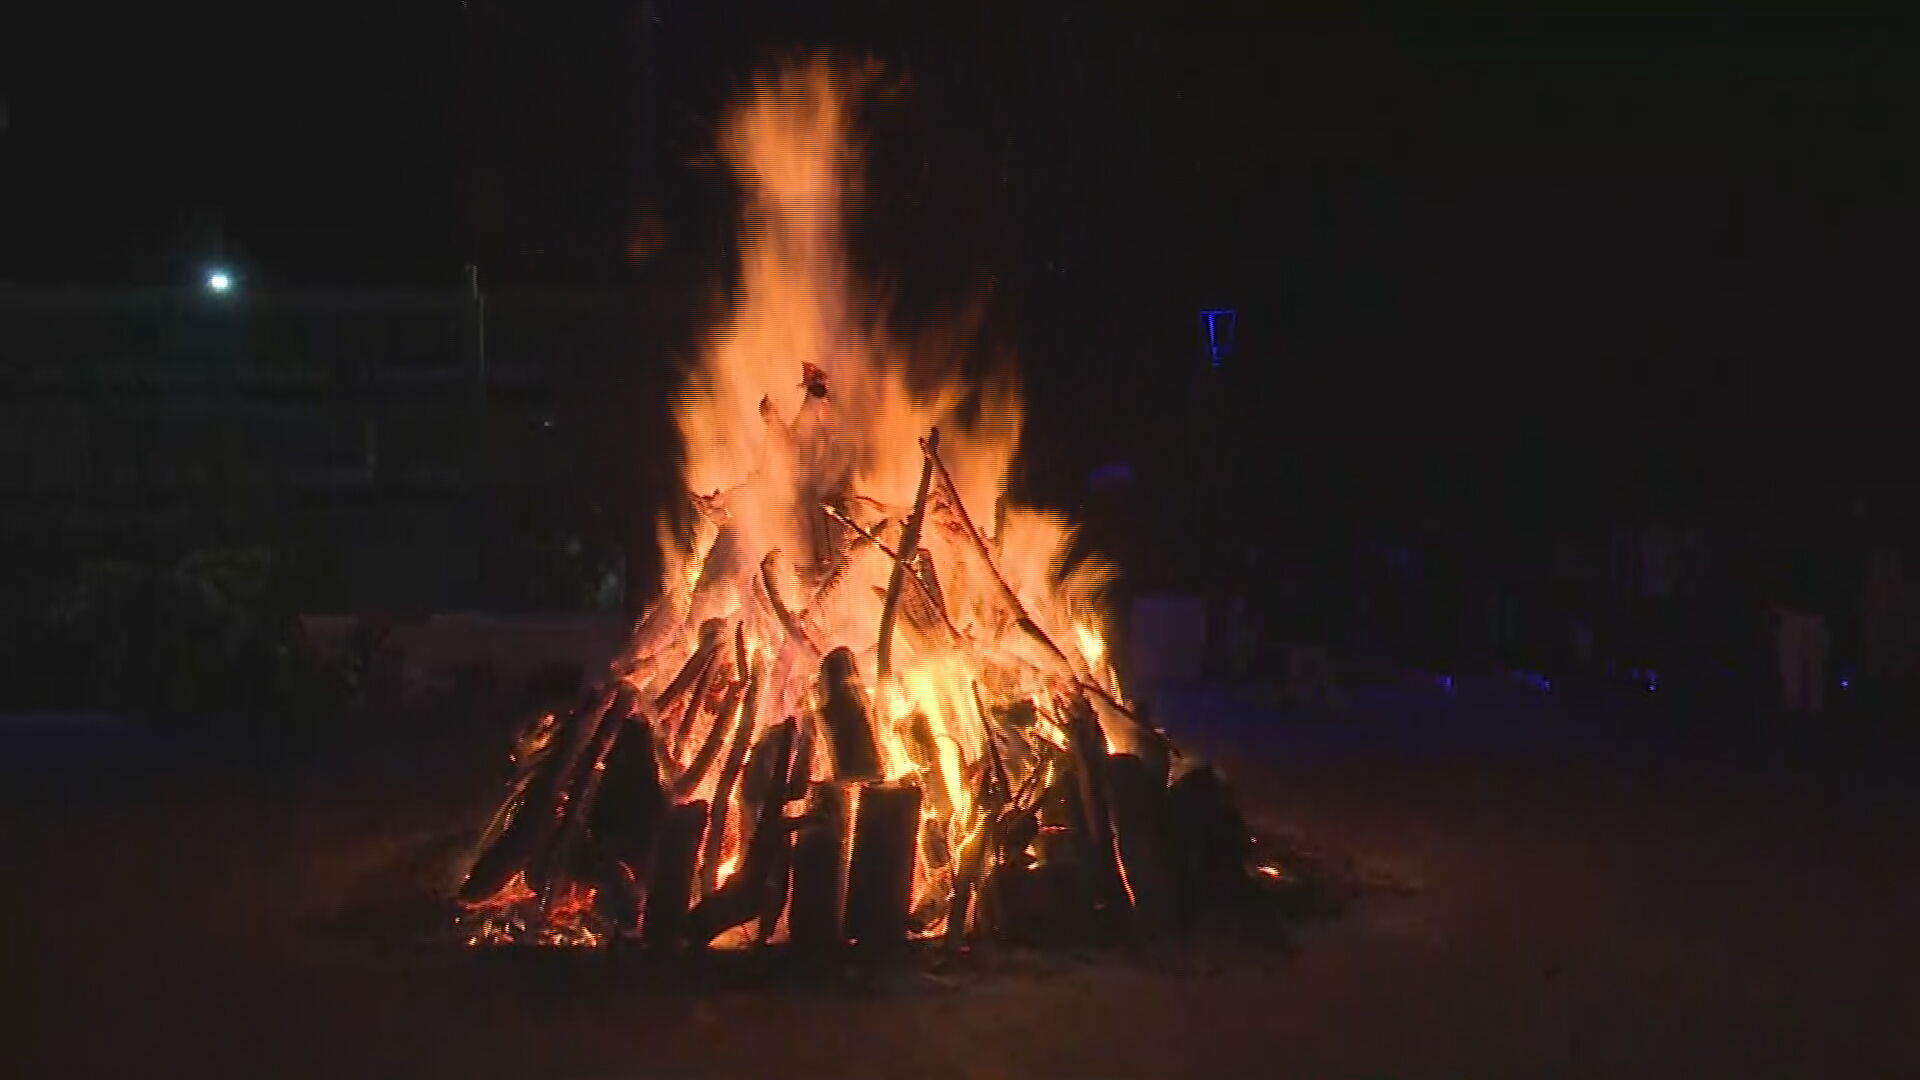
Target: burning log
{"points": [[758, 889], [532, 813], [925, 752], [820, 870], [695, 672], [689, 781], [846, 713], [880, 870], [585, 791], [903, 562], [969, 868], [670, 882], [978, 852], [759, 884], [723, 790]]}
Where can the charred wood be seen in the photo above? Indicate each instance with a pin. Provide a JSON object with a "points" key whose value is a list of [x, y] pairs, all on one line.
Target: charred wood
{"points": [[626, 816], [1209, 868], [820, 870], [880, 869], [1138, 792], [557, 863], [1088, 744]]}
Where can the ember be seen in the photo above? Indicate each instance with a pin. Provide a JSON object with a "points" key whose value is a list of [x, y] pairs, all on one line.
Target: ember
{"points": [[855, 714]]}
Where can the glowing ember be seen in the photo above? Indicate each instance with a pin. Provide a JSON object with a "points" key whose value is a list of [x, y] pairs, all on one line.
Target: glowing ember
{"points": [[871, 688]]}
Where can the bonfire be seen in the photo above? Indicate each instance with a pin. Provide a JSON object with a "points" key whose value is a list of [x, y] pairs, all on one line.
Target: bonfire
{"points": [[873, 703]]}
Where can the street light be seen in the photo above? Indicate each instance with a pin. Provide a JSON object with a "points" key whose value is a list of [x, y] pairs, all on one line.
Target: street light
{"points": [[219, 281]]}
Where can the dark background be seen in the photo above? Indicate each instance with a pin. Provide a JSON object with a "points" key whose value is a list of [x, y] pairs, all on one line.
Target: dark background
{"points": [[1508, 265]]}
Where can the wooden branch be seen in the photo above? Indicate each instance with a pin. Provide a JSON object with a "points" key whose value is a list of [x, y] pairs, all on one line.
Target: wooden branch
{"points": [[903, 562], [979, 544], [796, 631], [927, 588]]}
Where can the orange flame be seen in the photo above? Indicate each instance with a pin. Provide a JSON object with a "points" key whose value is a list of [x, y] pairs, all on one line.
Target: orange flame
{"points": [[805, 424]]}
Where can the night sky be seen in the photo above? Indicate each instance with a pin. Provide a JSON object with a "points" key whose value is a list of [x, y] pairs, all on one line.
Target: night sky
{"points": [[1668, 250]]}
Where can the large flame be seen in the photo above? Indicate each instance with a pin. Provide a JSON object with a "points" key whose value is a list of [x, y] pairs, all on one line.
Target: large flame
{"points": [[803, 423], [812, 457]]}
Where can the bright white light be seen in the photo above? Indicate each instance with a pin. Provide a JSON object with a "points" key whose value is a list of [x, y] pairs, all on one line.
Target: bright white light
{"points": [[219, 281]]}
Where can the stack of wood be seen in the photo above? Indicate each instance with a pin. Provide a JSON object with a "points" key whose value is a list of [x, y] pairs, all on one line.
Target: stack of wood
{"points": [[732, 784]]}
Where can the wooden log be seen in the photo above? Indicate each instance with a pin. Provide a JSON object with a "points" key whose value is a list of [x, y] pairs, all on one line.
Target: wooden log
{"points": [[903, 562], [846, 714], [724, 719], [557, 864], [694, 673], [1088, 745], [918, 735], [626, 817], [769, 852], [533, 814], [758, 890], [880, 869], [1210, 847], [1138, 799], [670, 878], [723, 789], [814, 918], [770, 767]]}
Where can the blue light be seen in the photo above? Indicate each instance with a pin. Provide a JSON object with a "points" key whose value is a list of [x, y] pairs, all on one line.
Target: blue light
{"points": [[1220, 323], [219, 281]]}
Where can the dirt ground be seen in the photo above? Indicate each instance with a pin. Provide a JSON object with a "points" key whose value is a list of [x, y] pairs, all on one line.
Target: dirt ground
{"points": [[1615, 890]]}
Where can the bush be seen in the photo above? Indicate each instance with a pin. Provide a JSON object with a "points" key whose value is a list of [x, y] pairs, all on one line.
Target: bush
{"points": [[212, 636]]}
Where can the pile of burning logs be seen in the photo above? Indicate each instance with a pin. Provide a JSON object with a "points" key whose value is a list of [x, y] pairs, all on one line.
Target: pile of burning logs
{"points": [[735, 783]]}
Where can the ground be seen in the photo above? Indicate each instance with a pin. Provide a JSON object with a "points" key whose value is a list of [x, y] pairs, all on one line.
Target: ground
{"points": [[1612, 889]]}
